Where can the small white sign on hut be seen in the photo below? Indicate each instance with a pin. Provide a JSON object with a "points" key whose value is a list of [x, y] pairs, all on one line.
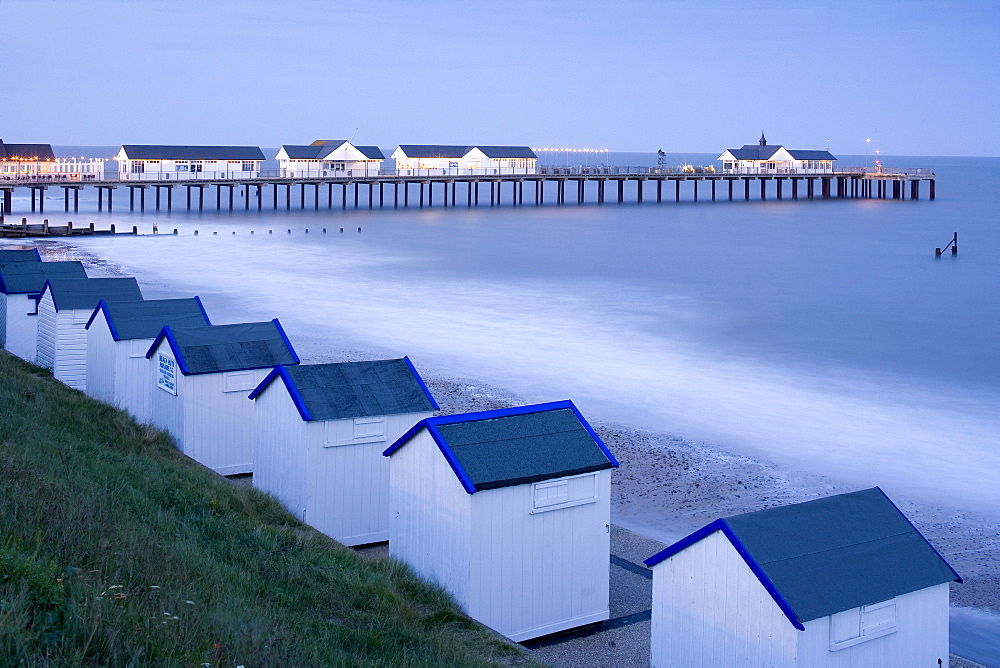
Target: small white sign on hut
{"points": [[119, 335], [841, 581], [321, 430], [509, 511], [64, 309], [22, 280], [200, 378]]}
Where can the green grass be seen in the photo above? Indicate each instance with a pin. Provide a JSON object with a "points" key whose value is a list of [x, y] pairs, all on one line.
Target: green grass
{"points": [[117, 550]]}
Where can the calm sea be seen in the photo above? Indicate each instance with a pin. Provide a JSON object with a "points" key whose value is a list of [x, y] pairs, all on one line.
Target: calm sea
{"points": [[821, 334]]}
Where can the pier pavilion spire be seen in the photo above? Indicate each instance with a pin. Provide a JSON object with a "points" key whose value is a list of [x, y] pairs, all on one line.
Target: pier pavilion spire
{"points": [[763, 142]]}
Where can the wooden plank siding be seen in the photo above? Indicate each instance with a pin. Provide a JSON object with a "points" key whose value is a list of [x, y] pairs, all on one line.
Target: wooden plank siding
{"points": [[280, 450], [340, 489], [102, 367], [535, 573], [46, 342], [19, 325], [710, 609], [430, 527]]}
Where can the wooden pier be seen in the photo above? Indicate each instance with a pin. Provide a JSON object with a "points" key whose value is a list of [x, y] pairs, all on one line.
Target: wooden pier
{"points": [[503, 189]]}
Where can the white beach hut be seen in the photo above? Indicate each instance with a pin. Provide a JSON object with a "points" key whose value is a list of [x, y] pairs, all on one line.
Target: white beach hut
{"points": [[836, 582], [509, 511], [321, 431], [119, 335], [64, 308], [201, 377], [21, 284]]}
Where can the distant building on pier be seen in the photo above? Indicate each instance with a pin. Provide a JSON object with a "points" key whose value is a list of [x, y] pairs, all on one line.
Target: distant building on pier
{"points": [[329, 157], [764, 158], [147, 162], [435, 159], [28, 161]]}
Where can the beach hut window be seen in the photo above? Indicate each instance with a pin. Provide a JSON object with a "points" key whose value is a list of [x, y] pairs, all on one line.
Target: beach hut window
{"points": [[137, 348], [369, 429], [237, 381], [860, 624], [563, 493], [356, 431]]}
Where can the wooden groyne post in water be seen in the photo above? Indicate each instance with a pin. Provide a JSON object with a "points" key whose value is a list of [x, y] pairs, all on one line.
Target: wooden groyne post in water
{"points": [[954, 246]]}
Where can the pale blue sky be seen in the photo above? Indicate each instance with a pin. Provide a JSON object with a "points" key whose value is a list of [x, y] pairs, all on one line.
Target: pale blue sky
{"points": [[918, 77]]}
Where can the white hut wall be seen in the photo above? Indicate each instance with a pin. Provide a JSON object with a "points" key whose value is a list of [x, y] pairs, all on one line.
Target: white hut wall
{"points": [[280, 443], [71, 347], [430, 516], [101, 371], [709, 609], [219, 420], [539, 568], [918, 636], [348, 478], [20, 326], [166, 409], [134, 382], [45, 352]]}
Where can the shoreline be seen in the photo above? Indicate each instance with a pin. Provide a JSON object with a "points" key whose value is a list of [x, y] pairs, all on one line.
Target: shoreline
{"points": [[669, 486]]}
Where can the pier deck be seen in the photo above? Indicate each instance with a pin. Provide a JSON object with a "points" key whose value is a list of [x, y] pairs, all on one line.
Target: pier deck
{"points": [[251, 191]]}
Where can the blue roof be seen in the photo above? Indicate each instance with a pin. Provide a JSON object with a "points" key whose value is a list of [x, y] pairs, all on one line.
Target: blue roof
{"points": [[371, 152], [758, 152], [144, 319], [321, 148], [217, 348], [754, 151], [507, 151], [515, 446], [27, 152], [353, 389], [434, 150], [800, 154], [161, 152], [69, 294], [302, 152], [19, 255], [829, 555], [30, 277]]}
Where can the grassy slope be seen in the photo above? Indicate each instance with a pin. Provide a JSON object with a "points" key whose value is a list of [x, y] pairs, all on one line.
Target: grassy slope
{"points": [[116, 549]]}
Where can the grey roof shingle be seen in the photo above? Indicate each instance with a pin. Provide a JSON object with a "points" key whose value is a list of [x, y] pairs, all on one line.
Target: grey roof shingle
{"points": [[145, 319], [18, 255], [507, 151], [160, 152], [30, 277], [85, 293], [356, 389], [832, 554], [217, 348], [515, 446]]}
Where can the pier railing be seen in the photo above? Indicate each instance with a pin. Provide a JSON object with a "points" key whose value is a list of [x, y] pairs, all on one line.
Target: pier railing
{"points": [[271, 175]]}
